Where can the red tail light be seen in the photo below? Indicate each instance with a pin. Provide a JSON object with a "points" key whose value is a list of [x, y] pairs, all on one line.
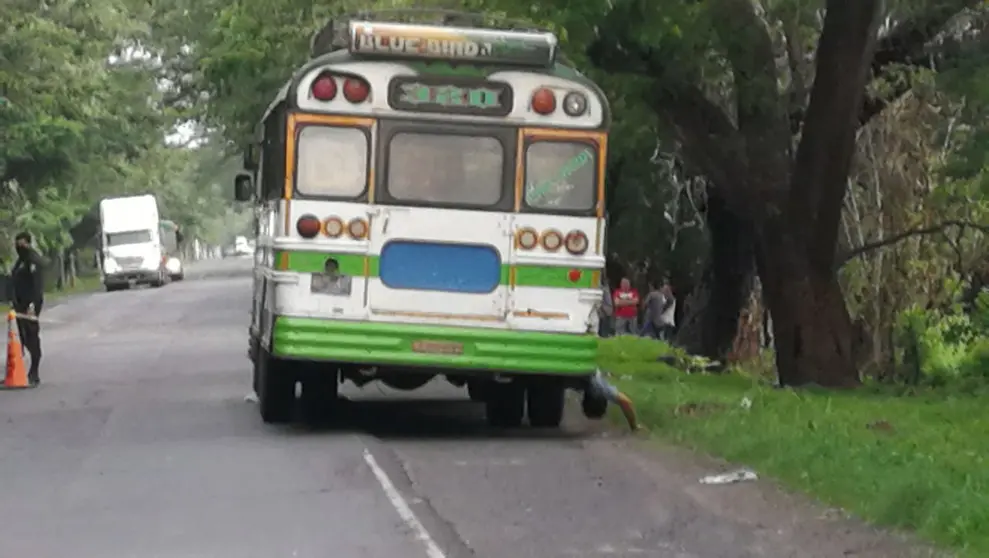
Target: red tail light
{"points": [[324, 88], [544, 101], [356, 90], [308, 226]]}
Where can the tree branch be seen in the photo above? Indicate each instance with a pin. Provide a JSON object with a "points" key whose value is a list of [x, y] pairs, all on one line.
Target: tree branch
{"points": [[907, 44], [761, 111], [910, 233], [708, 137]]}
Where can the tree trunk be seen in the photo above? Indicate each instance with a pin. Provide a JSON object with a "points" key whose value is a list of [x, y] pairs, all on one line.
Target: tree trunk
{"points": [[811, 326], [712, 324]]}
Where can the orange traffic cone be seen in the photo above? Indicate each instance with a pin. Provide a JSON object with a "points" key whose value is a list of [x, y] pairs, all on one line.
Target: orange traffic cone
{"points": [[16, 371]]}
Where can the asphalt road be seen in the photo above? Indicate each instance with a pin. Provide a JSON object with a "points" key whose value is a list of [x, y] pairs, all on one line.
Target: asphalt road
{"points": [[140, 444]]}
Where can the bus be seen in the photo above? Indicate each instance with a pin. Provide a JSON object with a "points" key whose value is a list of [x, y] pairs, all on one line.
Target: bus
{"points": [[430, 202]]}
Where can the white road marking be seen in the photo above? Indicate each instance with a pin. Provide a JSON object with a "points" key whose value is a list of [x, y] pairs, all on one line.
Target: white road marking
{"points": [[402, 507]]}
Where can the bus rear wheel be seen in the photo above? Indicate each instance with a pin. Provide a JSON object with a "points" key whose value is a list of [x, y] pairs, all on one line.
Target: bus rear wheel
{"points": [[505, 405], [545, 400], [276, 388], [319, 393]]}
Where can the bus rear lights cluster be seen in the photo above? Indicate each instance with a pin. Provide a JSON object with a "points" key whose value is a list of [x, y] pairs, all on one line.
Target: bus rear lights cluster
{"points": [[325, 87], [575, 104], [334, 227], [309, 226], [527, 238], [575, 241], [551, 240], [357, 228], [544, 102]]}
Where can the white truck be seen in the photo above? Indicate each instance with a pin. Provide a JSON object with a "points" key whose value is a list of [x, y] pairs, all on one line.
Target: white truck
{"points": [[132, 251]]}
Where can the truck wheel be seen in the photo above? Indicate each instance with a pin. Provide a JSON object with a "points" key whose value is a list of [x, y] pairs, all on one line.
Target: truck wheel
{"points": [[545, 400], [319, 394], [276, 388], [505, 405]]}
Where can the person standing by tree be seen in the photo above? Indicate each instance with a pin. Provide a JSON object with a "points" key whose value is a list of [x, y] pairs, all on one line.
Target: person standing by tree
{"points": [[626, 301], [667, 318], [654, 303], [27, 296]]}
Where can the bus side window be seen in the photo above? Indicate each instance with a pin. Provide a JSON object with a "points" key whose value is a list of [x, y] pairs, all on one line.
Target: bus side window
{"points": [[272, 158]]}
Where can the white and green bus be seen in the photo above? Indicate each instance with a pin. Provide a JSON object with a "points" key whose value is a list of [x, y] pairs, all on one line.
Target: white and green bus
{"points": [[430, 202]]}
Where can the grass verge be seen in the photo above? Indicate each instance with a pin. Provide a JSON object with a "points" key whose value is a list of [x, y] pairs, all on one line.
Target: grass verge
{"points": [[915, 462], [83, 285]]}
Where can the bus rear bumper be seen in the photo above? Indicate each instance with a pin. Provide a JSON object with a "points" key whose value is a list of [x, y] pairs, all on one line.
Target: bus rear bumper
{"points": [[464, 350]]}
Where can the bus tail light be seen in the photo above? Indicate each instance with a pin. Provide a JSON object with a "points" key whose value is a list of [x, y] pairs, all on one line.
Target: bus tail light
{"points": [[357, 228], [576, 243], [308, 226], [575, 104], [324, 87], [527, 238], [333, 227], [356, 90], [552, 240], [544, 101], [574, 275]]}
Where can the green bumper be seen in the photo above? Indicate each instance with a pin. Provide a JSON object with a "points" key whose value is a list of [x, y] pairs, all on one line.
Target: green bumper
{"points": [[385, 344]]}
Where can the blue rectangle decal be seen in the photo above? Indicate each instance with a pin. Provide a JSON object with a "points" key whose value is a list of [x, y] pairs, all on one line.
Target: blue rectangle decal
{"points": [[428, 266]]}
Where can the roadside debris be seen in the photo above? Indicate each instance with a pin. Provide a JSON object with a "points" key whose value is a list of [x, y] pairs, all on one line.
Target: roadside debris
{"points": [[730, 478]]}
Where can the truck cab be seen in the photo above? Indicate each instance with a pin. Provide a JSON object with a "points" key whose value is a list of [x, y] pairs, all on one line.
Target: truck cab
{"points": [[132, 251]]}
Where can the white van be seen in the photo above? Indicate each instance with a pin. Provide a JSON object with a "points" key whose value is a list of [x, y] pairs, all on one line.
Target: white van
{"points": [[131, 245]]}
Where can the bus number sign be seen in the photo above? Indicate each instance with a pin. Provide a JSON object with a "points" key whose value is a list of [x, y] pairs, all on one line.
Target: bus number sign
{"points": [[419, 95]]}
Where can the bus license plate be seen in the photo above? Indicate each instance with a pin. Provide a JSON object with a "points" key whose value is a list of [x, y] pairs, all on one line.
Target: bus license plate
{"points": [[438, 347]]}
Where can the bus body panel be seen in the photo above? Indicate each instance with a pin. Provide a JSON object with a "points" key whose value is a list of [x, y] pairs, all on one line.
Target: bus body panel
{"points": [[456, 258]]}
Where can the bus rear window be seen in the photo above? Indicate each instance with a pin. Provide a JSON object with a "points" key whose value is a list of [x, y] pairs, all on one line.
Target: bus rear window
{"points": [[447, 169], [331, 161], [560, 176]]}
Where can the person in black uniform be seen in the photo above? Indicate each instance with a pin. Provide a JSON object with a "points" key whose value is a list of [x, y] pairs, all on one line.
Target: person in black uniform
{"points": [[27, 295]]}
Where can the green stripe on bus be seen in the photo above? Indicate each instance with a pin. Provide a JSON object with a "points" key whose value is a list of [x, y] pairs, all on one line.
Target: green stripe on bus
{"points": [[314, 262], [353, 264], [482, 349], [551, 276]]}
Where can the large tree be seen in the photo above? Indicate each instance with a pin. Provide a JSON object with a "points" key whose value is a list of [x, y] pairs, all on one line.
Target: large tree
{"points": [[776, 157]]}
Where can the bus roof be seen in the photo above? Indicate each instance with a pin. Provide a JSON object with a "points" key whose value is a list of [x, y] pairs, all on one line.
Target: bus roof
{"points": [[476, 47]]}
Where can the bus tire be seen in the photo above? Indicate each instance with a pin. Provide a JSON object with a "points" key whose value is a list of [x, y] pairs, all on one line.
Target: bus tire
{"points": [[477, 391], [545, 401], [319, 394], [276, 388], [504, 405]]}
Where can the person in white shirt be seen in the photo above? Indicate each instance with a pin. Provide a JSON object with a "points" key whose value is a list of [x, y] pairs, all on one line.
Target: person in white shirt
{"points": [[667, 318]]}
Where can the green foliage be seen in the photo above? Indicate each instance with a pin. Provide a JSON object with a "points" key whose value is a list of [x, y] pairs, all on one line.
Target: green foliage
{"points": [[84, 115]]}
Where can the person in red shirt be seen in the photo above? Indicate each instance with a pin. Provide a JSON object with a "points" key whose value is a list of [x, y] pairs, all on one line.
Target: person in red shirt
{"points": [[626, 301]]}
